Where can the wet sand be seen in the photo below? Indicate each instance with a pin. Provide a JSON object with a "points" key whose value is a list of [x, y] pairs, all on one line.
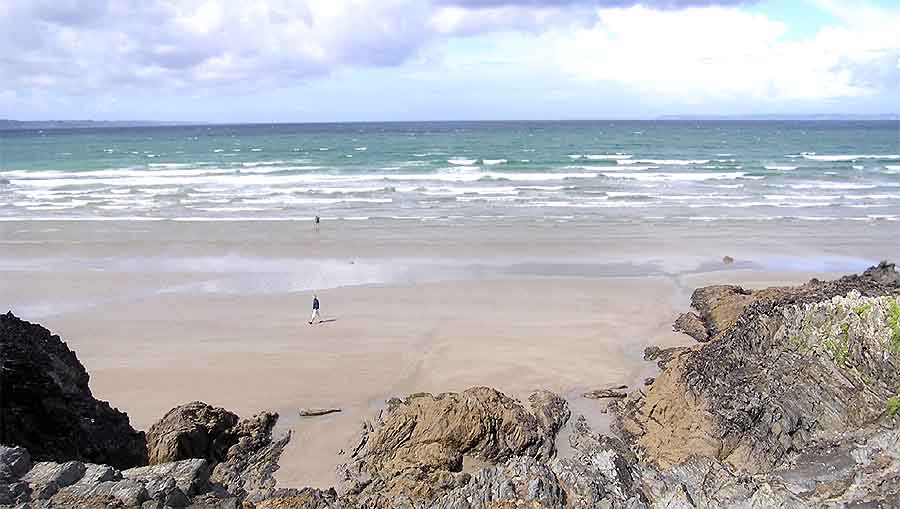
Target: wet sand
{"points": [[164, 316]]}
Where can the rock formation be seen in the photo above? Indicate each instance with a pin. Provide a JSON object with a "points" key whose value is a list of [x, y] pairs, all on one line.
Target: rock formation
{"points": [[47, 406], [194, 430], [798, 384], [418, 446], [244, 474]]}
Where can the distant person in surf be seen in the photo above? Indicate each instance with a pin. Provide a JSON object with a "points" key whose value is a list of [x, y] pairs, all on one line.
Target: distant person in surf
{"points": [[316, 222], [315, 311]]}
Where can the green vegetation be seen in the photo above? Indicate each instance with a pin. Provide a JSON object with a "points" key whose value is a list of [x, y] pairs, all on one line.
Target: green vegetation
{"points": [[799, 343], [893, 405], [862, 309], [839, 348], [894, 325]]}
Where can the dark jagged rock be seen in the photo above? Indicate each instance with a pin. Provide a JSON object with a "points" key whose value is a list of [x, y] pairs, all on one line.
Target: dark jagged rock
{"points": [[248, 470], [47, 406], [204, 457]]}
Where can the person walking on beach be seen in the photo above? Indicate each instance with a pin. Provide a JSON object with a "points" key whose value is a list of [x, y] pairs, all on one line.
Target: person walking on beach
{"points": [[315, 313], [316, 223]]}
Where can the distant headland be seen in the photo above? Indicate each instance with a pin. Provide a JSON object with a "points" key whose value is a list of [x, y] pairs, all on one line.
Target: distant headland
{"points": [[9, 125]]}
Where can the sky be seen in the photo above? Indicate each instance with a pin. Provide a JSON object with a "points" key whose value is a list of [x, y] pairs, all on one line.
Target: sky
{"points": [[357, 60]]}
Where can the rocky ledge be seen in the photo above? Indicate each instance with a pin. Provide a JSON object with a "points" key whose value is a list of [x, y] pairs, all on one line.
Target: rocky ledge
{"points": [[790, 400]]}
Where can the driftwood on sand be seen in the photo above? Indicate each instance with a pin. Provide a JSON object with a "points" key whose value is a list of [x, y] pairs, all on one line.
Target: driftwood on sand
{"points": [[314, 412]]}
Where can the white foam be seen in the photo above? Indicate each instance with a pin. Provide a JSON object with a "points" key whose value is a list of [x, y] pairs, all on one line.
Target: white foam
{"points": [[803, 197], [611, 168], [780, 167], [492, 162], [290, 200], [462, 162], [361, 149], [847, 157], [832, 185], [169, 165], [675, 177], [663, 162], [461, 190], [601, 157]]}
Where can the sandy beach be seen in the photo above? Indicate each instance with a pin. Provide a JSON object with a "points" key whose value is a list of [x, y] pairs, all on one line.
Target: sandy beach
{"points": [[162, 313]]}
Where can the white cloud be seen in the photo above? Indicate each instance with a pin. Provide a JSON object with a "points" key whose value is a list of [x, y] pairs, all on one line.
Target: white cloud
{"points": [[720, 53]]}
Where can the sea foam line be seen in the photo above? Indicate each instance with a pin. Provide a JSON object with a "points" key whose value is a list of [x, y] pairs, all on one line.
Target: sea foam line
{"points": [[847, 157]]}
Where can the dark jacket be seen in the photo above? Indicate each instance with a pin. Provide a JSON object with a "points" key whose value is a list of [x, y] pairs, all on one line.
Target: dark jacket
{"points": [[315, 303]]}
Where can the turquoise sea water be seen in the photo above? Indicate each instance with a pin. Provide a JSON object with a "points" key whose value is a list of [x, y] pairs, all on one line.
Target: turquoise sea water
{"points": [[492, 171]]}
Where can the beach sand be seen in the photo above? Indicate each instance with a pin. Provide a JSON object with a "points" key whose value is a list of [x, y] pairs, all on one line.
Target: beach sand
{"points": [[165, 314]]}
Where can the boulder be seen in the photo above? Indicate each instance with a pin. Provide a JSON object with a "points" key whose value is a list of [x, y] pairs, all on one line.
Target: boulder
{"points": [[193, 430], [190, 477], [719, 307], [417, 447], [14, 463], [47, 406], [693, 326], [46, 478]]}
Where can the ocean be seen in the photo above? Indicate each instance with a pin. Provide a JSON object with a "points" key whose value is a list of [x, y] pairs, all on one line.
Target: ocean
{"points": [[586, 171]]}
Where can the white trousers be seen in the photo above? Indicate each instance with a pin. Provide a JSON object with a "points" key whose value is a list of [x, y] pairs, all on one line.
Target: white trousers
{"points": [[315, 316]]}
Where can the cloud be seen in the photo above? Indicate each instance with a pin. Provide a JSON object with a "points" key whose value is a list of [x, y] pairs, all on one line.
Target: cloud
{"points": [[720, 53], [170, 43], [82, 46], [682, 51]]}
